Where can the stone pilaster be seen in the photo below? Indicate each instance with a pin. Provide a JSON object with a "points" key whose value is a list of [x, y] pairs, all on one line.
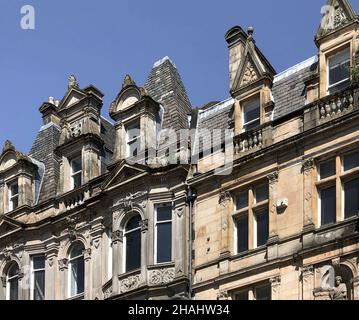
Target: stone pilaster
{"points": [[117, 243], [308, 182], [63, 268], [275, 284], [355, 283], [308, 282], [224, 206]]}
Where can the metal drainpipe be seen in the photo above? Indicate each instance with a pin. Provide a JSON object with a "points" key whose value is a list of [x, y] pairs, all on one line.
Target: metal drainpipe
{"points": [[191, 198]]}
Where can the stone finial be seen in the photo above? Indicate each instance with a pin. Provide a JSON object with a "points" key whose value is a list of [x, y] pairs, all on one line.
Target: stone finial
{"points": [[128, 81], [72, 82], [57, 103], [51, 100], [8, 146], [250, 32]]}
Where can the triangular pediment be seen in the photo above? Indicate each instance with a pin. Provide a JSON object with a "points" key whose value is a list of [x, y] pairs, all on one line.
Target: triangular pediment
{"points": [[9, 226], [336, 14], [124, 173], [253, 67], [73, 96]]}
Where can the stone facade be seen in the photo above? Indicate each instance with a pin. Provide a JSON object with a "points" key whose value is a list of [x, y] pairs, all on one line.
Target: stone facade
{"points": [[97, 211]]}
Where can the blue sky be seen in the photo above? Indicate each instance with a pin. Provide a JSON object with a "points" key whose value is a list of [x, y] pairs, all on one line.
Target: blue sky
{"points": [[101, 41]]}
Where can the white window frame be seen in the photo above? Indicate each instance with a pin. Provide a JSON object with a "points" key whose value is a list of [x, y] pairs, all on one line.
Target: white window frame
{"points": [[328, 69], [244, 104], [155, 236], [13, 196], [73, 174], [7, 295], [125, 233], [257, 213], [239, 213], [69, 279], [109, 254], [33, 271], [134, 126]]}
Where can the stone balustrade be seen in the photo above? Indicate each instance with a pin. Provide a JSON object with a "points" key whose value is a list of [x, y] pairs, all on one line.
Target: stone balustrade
{"points": [[248, 141], [74, 198]]}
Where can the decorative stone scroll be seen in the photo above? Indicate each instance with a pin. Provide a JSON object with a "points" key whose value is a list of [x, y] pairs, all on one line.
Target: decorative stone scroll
{"points": [[161, 276]]}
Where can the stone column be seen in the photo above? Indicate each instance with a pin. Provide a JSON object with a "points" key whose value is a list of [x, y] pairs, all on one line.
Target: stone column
{"points": [[144, 253], [237, 118], [308, 282], [273, 231], [275, 284], [117, 242], [179, 239]]}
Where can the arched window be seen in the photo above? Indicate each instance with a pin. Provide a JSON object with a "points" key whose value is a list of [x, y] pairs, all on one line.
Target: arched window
{"points": [[76, 274], [132, 244], [12, 283]]}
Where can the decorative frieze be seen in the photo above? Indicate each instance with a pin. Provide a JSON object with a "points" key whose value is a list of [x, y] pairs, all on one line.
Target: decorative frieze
{"points": [[130, 283], [161, 276]]}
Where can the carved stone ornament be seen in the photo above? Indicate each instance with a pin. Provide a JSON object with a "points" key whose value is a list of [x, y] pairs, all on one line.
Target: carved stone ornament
{"points": [[180, 212], [273, 177], [72, 82], [339, 17], [63, 264], [275, 281], [128, 202], [162, 276], [50, 261], [224, 198], [222, 295], [107, 293], [308, 165], [87, 254], [117, 236], [130, 283], [308, 271], [144, 225], [8, 252], [71, 227], [76, 129], [250, 74]]}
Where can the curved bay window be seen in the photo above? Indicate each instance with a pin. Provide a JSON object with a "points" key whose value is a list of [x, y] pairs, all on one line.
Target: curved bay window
{"points": [[76, 270], [132, 244], [12, 282]]}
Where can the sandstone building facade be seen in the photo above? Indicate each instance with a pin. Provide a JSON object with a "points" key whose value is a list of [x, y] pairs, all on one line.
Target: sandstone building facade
{"points": [[105, 209]]}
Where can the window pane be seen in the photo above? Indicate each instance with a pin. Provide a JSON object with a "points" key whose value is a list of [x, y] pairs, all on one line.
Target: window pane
{"points": [[13, 271], [351, 190], [339, 67], [252, 125], [39, 262], [77, 179], [262, 228], [77, 276], [14, 289], [243, 296], [351, 161], [164, 213], [242, 200], [327, 169], [251, 110], [262, 193], [15, 203], [164, 242], [133, 131], [242, 234], [133, 148], [39, 285], [133, 223], [264, 293], [328, 206], [133, 250], [76, 165], [14, 189]]}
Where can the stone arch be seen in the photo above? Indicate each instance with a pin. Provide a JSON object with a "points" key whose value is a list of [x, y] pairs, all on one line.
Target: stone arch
{"points": [[127, 215], [345, 270], [7, 264], [65, 252]]}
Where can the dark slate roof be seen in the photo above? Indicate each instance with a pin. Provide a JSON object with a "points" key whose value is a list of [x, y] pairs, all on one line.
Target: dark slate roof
{"points": [[164, 84], [289, 87], [108, 134], [43, 150]]}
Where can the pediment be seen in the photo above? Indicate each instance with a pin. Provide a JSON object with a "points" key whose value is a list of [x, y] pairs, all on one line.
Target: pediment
{"points": [[336, 14], [73, 96], [8, 226], [249, 73], [10, 156], [124, 173]]}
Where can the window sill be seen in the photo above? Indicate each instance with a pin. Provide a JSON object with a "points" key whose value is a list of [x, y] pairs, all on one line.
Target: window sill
{"points": [[249, 253], [338, 224]]}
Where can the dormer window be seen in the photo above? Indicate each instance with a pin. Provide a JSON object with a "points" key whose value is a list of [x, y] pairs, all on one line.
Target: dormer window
{"points": [[76, 172], [251, 114], [133, 139], [13, 196], [338, 71]]}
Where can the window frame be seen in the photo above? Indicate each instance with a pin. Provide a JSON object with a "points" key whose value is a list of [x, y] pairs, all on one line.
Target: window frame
{"points": [[135, 124], [32, 276], [251, 291], [156, 223], [13, 196], [79, 172], [328, 58], [69, 275], [245, 104], [109, 254], [124, 249], [8, 283]]}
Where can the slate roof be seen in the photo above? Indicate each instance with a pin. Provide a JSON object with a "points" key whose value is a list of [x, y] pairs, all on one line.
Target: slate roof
{"points": [[164, 84]]}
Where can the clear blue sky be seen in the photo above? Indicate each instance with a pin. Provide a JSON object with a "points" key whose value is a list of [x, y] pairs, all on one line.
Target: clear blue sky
{"points": [[101, 41]]}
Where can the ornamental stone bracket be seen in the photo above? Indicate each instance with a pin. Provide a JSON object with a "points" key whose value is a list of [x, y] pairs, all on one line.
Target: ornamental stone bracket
{"points": [[160, 277], [273, 177], [87, 254], [308, 165], [117, 236], [63, 264], [144, 225]]}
